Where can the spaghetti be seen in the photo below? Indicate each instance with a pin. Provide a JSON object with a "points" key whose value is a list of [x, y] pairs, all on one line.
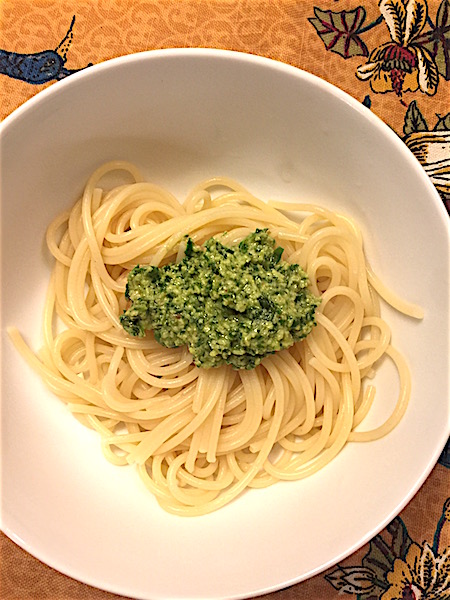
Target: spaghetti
{"points": [[199, 437]]}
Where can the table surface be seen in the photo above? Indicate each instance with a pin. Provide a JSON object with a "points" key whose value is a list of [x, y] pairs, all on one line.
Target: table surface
{"points": [[338, 40]]}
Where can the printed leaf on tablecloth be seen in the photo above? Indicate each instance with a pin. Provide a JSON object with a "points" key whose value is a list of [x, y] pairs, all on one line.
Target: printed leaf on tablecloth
{"points": [[382, 555], [353, 580], [443, 576], [437, 40], [379, 558], [427, 571], [394, 13], [367, 102], [444, 459], [428, 71], [339, 31], [443, 124], [414, 120], [401, 540]]}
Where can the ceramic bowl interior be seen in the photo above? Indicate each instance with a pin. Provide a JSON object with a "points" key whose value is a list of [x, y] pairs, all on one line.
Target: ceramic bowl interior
{"points": [[182, 116]]}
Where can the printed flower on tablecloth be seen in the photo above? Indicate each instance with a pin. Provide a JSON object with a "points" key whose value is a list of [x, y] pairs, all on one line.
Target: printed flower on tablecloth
{"points": [[397, 568], [413, 60], [402, 64], [421, 575]]}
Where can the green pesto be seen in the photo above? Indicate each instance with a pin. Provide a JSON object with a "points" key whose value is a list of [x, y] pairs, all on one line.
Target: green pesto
{"points": [[228, 305]]}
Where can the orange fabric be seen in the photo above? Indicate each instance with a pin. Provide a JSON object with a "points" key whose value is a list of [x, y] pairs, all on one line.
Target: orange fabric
{"points": [[277, 29], [289, 31]]}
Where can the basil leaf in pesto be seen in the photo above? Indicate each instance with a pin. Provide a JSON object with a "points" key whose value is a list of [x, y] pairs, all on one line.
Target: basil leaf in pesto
{"points": [[228, 305]]}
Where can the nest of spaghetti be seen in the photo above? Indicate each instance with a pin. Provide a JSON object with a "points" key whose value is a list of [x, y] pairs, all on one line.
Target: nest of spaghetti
{"points": [[199, 437]]}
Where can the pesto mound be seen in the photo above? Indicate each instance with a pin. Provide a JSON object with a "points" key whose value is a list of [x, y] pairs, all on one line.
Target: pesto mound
{"points": [[228, 305]]}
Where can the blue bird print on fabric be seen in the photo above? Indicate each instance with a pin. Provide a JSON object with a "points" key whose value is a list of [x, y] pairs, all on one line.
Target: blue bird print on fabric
{"points": [[39, 67]]}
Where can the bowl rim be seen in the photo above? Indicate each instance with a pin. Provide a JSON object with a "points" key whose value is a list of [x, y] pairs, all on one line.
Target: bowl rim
{"points": [[64, 86], [235, 55]]}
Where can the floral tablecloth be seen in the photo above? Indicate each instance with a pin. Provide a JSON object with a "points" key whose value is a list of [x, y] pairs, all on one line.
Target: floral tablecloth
{"points": [[394, 57]]}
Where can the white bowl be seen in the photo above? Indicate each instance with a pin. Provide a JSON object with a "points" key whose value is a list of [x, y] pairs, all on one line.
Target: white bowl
{"points": [[181, 116]]}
